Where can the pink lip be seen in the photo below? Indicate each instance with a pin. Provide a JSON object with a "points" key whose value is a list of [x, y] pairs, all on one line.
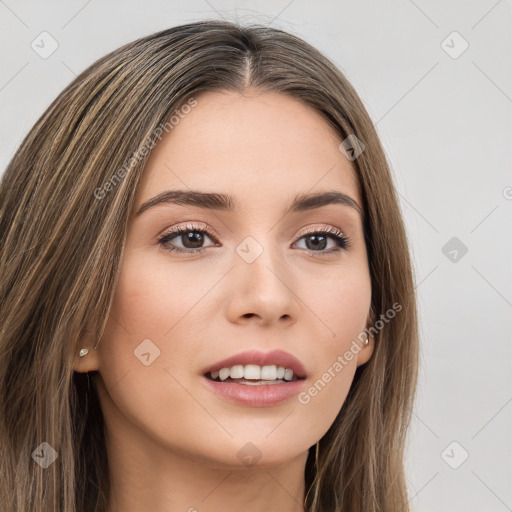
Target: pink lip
{"points": [[277, 357], [255, 396]]}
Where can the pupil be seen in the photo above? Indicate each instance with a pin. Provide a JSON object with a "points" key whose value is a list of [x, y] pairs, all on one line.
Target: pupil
{"points": [[316, 239], [192, 237]]}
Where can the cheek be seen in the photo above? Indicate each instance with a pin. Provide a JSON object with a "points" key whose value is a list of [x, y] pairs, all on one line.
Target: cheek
{"points": [[148, 317], [154, 297], [340, 302], [155, 401], [147, 350], [340, 307], [326, 393]]}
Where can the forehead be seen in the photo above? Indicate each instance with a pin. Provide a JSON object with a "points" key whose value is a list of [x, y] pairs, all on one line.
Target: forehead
{"points": [[256, 146]]}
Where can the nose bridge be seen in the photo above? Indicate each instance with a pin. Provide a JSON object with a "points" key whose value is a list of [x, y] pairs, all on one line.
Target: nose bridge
{"points": [[258, 253], [262, 280]]}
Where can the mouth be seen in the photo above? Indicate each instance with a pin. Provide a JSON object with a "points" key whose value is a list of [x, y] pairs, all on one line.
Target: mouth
{"points": [[253, 375], [255, 368], [256, 379]]}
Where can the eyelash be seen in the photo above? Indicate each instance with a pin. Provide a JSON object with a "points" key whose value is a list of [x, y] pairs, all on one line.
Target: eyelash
{"points": [[343, 243]]}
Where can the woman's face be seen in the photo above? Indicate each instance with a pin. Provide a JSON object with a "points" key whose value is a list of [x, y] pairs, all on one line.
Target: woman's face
{"points": [[260, 283]]}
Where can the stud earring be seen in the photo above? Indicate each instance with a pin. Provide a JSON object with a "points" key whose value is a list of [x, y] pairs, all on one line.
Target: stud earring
{"points": [[84, 352], [366, 341]]}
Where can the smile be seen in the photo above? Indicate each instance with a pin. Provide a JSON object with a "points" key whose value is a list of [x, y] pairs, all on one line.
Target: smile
{"points": [[253, 374]]}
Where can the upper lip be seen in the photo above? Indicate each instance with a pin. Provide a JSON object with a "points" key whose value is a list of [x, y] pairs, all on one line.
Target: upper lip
{"points": [[274, 357]]}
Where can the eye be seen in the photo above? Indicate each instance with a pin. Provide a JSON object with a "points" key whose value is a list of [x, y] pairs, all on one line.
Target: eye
{"points": [[316, 241], [191, 236]]}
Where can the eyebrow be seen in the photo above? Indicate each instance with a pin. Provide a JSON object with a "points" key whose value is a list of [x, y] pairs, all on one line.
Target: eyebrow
{"points": [[224, 202]]}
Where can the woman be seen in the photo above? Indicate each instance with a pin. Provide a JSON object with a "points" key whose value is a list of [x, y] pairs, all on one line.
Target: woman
{"points": [[207, 300]]}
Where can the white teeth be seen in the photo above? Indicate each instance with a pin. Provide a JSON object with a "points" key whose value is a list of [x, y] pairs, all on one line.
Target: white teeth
{"points": [[288, 374], [254, 372], [223, 373], [269, 373], [237, 372]]}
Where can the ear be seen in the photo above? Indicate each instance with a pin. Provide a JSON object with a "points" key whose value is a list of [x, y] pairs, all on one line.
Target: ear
{"points": [[367, 350], [88, 362]]}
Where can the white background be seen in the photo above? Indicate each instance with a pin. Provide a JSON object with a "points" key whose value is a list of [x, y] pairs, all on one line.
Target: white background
{"points": [[445, 123]]}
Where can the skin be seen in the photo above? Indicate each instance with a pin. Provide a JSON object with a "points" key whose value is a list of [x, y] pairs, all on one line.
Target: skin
{"points": [[172, 444]]}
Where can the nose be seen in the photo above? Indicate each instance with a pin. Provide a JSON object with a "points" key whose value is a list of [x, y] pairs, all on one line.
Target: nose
{"points": [[263, 290]]}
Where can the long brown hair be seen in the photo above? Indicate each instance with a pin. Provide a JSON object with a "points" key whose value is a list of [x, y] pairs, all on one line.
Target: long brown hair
{"points": [[65, 201]]}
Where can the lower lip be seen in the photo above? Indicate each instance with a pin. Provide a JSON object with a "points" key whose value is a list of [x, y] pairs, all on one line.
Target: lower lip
{"points": [[256, 396]]}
